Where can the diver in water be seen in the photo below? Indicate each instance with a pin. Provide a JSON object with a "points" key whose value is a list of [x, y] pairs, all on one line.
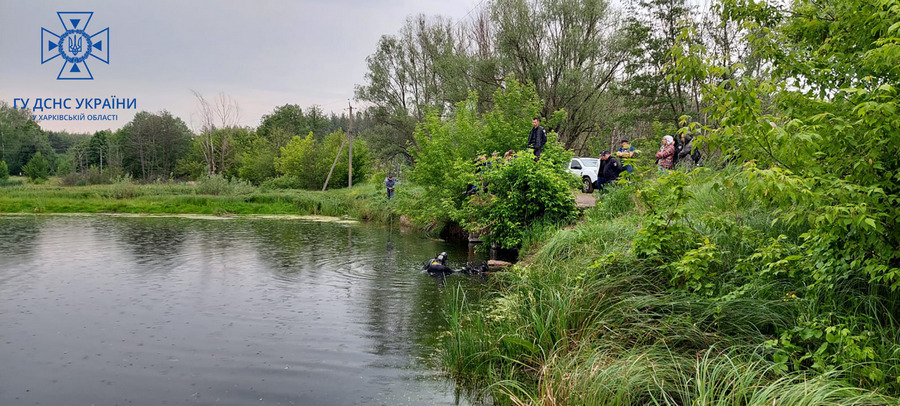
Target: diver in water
{"points": [[474, 269], [438, 264]]}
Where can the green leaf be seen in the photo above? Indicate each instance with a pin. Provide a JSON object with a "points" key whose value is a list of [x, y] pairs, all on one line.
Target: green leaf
{"points": [[871, 223]]}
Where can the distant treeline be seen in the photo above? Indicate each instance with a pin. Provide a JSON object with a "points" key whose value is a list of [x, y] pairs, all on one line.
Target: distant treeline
{"points": [[291, 147]]}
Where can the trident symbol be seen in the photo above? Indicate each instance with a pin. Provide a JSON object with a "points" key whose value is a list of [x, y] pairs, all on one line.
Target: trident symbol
{"points": [[75, 47]]}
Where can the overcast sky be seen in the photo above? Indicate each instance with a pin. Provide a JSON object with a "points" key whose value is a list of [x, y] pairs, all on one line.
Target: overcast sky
{"points": [[263, 53]]}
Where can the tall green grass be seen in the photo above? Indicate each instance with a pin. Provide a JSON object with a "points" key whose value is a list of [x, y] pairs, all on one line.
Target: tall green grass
{"points": [[589, 322]]}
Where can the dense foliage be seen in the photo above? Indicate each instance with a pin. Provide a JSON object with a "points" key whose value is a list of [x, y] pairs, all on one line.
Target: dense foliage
{"points": [[822, 124], [769, 277], [671, 291], [506, 196], [37, 169], [519, 195], [307, 162]]}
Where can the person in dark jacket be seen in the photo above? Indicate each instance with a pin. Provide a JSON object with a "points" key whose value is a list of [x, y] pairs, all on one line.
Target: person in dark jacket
{"points": [[389, 184], [608, 169], [537, 138], [679, 146], [688, 150]]}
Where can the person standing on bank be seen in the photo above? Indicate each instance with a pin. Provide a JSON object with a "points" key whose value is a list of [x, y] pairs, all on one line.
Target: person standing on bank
{"points": [[626, 153], [688, 151], [665, 156], [608, 169], [537, 138], [389, 184]]}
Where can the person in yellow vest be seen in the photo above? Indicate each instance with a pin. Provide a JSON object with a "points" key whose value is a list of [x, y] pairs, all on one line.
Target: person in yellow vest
{"points": [[626, 155]]}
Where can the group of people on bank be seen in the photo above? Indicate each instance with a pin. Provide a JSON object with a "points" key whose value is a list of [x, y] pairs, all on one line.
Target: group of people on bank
{"points": [[609, 168], [670, 154], [537, 138], [672, 151]]}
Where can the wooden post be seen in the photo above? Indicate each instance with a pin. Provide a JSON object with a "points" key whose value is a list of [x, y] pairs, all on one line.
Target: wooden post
{"points": [[328, 178]]}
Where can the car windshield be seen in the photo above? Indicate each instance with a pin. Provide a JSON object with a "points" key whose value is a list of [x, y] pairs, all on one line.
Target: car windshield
{"points": [[589, 161]]}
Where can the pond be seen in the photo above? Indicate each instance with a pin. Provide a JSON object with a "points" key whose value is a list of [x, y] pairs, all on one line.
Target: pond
{"points": [[113, 310]]}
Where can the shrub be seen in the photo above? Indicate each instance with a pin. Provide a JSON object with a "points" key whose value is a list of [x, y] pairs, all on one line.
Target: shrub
{"points": [[520, 194], [37, 169], [258, 163], [4, 171], [281, 182], [124, 188], [516, 195], [218, 185]]}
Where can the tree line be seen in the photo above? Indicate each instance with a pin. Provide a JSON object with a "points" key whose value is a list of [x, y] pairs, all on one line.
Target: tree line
{"points": [[160, 146]]}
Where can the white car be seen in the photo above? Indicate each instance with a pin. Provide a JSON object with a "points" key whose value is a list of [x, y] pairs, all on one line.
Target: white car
{"points": [[586, 169]]}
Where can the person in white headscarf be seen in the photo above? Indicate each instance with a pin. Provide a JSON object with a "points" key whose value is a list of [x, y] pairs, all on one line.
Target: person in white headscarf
{"points": [[665, 158]]}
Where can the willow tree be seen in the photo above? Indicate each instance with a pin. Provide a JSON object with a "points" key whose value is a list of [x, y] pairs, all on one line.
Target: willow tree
{"points": [[423, 68], [570, 50]]}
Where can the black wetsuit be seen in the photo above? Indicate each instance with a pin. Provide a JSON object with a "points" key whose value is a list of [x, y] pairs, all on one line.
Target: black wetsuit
{"points": [[438, 264]]}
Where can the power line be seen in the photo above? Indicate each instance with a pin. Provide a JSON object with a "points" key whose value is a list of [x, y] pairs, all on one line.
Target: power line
{"points": [[469, 13]]}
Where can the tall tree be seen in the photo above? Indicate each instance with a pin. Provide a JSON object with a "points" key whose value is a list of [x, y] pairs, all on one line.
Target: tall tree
{"points": [[99, 149], [218, 119], [653, 29], [21, 137], [153, 144], [570, 50], [422, 68], [280, 126]]}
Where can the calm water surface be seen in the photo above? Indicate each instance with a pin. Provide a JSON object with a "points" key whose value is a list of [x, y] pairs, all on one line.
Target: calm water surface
{"points": [[173, 311]]}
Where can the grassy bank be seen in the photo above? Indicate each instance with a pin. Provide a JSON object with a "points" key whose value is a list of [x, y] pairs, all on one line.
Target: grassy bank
{"points": [[215, 196], [676, 291]]}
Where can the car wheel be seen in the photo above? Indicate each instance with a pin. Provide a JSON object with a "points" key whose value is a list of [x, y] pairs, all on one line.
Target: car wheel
{"points": [[586, 185]]}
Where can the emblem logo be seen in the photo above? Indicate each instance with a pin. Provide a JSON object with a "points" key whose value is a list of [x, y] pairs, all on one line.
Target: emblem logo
{"points": [[75, 45]]}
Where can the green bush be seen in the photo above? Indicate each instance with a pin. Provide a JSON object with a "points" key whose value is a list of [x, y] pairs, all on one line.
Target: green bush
{"points": [[4, 171], [124, 188], [37, 169], [519, 194], [258, 163], [281, 182], [309, 161], [516, 195], [218, 185]]}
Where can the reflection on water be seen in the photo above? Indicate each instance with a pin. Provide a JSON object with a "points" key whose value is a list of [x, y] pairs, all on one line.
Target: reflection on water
{"points": [[147, 311]]}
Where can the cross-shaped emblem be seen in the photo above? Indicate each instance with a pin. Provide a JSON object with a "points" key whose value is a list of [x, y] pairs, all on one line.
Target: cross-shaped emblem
{"points": [[74, 45]]}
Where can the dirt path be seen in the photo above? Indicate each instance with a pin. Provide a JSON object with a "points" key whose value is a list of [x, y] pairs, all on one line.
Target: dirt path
{"points": [[585, 200]]}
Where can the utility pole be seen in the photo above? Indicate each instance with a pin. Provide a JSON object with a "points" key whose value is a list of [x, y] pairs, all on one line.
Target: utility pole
{"points": [[350, 148], [349, 138], [333, 164]]}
